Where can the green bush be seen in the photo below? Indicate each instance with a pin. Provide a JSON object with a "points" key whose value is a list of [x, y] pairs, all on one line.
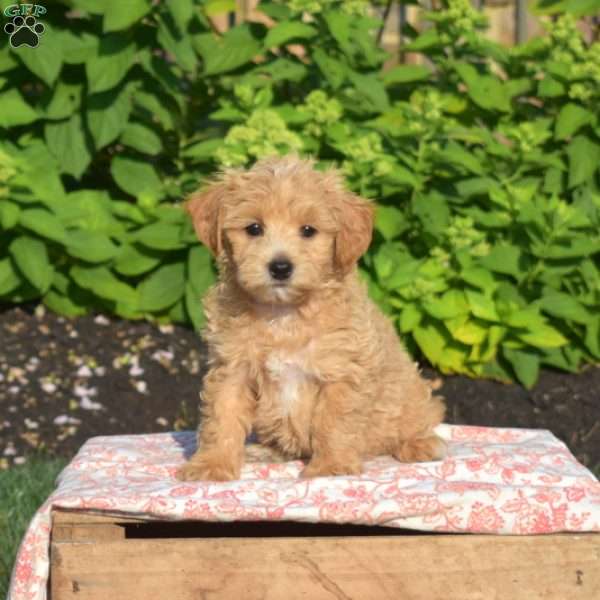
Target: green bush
{"points": [[483, 161]]}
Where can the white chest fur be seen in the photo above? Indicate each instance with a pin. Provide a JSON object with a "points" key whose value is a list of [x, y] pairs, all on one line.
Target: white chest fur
{"points": [[288, 373]]}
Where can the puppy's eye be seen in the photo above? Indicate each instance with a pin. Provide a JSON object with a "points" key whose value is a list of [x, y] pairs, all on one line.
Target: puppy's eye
{"points": [[307, 231], [255, 229]]}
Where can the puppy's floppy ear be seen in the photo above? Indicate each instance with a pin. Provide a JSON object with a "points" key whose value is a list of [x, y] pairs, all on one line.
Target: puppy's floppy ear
{"points": [[205, 208], [356, 220]]}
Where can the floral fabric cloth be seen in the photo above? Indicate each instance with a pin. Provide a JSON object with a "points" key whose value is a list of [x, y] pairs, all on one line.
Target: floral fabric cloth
{"points": [[500, 481]]}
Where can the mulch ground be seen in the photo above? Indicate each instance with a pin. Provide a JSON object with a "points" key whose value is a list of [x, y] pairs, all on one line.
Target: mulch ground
{"points": [[63, 381]]}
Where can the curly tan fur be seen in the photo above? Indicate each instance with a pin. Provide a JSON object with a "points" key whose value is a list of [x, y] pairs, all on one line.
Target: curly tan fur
{"points": [[310, 364]]}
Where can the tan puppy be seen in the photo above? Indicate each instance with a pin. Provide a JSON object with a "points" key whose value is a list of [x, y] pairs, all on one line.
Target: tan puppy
{"points": [[297, 350]]}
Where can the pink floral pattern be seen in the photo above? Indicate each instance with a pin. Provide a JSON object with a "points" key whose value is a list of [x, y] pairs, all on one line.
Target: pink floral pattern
{"points": [[501, 481]]}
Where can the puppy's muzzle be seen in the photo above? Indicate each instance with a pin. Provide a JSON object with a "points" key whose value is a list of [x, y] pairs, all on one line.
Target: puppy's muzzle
{"points": [[280, 268]]}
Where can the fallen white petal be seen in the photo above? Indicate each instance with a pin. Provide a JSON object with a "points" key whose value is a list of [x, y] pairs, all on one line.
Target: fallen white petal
{"points": [[88, 404], [84, 371]]}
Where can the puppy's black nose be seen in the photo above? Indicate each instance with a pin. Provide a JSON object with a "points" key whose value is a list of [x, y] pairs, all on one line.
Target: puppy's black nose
{"points": [[280, 268]]}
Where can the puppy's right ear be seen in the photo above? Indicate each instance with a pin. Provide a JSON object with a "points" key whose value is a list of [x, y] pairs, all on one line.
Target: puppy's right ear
{"points": [[205, 208]]}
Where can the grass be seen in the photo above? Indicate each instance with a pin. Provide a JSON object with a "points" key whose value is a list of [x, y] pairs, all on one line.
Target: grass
{"points": [[22, 490]]}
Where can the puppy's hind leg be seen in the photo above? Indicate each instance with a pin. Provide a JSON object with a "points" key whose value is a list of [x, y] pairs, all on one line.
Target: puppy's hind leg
{"points": [[420, 443], [424, 445], [421, 449]]}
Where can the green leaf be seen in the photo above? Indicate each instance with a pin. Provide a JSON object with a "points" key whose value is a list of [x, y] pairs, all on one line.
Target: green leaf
{"points": [[193, 306], [406, 74], [543, 336], [467, 331], [339, 24], [155, 109], [91, 246], [9, 278], [286, 31], [524, 318], [9, 214], [592, 337], [410, 317], [571, 118], [162, 288], [177, 43], [474, 186], [503, 258], [114, 58], [89, 210], [134, 260], [66, 141], [578, 8], [31, 256], [432, 341], [136, 177], [129, 212], [199, 269], [182, 12], [142, 138], [550, 87], [457, 155], [161, 236], [578, 246], [563, 306], [65, 100], [221, 55], [565, 358], [486, 91], [44, 223], [482, 306], [7, 62], [525, 364], [428, 39], [448, 306], [479, 277], [203, 151], [107, 114], [92, 6], [45, 61], [399, 176], [282, 69], [334, 70], [217, 7], [63, 305], [42, 175], [102, 282], [120, 14], [77, 46], [279, 12], [371, 91], [390, 222], [14, 110], [433, 212], [584, 158]]}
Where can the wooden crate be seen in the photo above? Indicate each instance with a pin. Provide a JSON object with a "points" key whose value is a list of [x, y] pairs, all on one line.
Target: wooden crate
{"points": [[109, 558]]}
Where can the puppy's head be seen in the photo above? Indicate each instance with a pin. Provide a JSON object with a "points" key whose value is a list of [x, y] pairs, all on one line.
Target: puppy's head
{"points": [[283, 228]]}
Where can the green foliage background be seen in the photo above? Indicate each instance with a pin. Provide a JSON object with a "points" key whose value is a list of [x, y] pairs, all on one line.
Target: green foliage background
{"points": [[483, 161]]}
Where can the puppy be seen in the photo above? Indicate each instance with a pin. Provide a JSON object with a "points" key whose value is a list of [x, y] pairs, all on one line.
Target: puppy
{"points": [[297, 351]]}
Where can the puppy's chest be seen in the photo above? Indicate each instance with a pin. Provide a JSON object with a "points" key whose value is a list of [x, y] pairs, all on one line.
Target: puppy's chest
{"points": [[289, 380]]}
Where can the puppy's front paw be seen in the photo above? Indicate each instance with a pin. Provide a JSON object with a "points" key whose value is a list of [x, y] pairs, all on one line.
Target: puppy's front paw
{"points": [[205, 469], [329, 469]]}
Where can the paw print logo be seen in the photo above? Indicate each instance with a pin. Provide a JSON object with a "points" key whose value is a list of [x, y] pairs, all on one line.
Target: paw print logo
{"points": [[24, 31]]}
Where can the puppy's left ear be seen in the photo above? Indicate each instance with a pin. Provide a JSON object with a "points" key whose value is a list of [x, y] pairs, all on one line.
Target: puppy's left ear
{"points": [[205, 208], [353, 239]]}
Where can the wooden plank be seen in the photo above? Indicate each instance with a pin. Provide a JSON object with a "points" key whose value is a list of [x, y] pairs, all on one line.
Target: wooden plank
{"points": [[422, 567], [73, 526], [71, 517]]}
